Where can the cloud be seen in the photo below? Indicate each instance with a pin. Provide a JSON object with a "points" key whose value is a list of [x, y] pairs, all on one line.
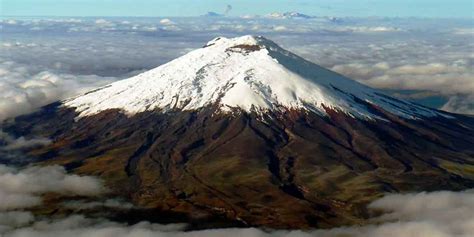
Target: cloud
{"points": [[23, 91], [109, 203], [432, 77], [436, 65], [33, 74], [167, 22], [464, 31], [10, 22], [463, 104], [425, 214], [248, 16], [280, 28], [104, 23], [435, 214], [12, 201], [80, 226], [22, 188], [74, 55], [14, 219], [453, 81], [366, 29], [169, 25], [11, 143]]}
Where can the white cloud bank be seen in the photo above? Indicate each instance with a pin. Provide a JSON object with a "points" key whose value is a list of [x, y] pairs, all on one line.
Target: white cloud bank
{"points": [[432, 77], [454, 81], [435, 214], [427, 214], [23, 188], [23, 90], [166, 22]]}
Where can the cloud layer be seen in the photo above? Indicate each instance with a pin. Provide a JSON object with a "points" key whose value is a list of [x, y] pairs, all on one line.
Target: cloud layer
{"points": [[435, 214], [23, 188], [431, 214], [43, 60]]}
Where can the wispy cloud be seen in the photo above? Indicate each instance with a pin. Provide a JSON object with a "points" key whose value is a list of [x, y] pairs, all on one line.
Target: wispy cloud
{"points": [[11, 143]]}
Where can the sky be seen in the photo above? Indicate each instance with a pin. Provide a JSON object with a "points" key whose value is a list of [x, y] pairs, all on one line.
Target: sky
{"points": [[358, 8]]}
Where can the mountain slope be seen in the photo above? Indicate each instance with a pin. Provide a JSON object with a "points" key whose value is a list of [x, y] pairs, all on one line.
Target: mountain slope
{"points": [[248, 131]]}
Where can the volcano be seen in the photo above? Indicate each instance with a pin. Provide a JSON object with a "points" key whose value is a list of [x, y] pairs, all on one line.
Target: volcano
{"points": [[248, 131]]}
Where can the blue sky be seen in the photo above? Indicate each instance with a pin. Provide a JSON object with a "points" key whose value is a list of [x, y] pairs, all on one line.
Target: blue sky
{"points": [[361, 8]]}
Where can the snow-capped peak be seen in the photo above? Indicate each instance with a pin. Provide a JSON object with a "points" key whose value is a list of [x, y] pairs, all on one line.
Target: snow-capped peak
{"points": [[289, 15], [251, 73], [244, 40]]}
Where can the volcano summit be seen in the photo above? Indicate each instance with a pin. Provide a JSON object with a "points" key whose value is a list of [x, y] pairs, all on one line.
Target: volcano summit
{"points": [[247, 131], [247, 73]]}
